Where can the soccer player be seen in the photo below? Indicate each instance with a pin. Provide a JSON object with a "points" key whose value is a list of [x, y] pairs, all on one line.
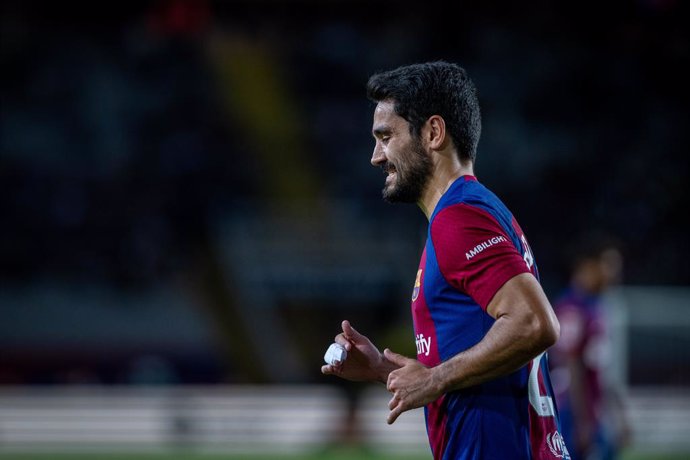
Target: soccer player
{"points": [[593, 416], [482, 322]]}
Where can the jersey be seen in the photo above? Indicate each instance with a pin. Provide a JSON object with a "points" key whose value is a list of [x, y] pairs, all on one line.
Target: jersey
{"points": [[473, 247]]}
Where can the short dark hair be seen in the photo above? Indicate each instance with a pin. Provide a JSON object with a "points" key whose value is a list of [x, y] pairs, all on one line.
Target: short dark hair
{"points": [[419, 91]]}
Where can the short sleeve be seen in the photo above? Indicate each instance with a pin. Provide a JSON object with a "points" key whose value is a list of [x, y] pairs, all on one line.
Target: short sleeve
{"points": [[474, 253]]}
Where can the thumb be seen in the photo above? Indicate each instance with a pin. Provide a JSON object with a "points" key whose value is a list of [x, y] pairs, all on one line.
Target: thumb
{"points": [[349, 331], [395, 358]]}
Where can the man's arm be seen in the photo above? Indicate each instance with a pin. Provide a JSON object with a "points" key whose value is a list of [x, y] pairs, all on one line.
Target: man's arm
{"points": [[525, 326]]}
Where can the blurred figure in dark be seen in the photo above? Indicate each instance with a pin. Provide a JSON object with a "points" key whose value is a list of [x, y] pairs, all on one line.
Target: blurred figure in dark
{"points": [[592, 411]]}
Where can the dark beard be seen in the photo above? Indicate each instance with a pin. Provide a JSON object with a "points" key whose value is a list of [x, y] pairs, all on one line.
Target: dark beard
{"points": [[413, 172]]}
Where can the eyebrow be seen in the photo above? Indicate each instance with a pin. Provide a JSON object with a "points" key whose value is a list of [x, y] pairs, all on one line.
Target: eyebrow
{"points": [[381, 131]]}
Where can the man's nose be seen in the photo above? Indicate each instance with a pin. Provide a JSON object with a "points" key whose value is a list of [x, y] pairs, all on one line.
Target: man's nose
{"points": [[377, 157]]}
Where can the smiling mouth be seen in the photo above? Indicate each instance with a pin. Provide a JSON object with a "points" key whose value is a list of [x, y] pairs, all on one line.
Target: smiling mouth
{"points": [[390, 172], [388, 169], [390, 177]]}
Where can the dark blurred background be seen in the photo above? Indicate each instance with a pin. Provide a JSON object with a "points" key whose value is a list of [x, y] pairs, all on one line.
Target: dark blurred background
{"points": [[186, 189]]}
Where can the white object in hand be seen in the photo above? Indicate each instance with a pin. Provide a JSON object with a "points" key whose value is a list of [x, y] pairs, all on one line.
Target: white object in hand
{"points": [[335, 352]]}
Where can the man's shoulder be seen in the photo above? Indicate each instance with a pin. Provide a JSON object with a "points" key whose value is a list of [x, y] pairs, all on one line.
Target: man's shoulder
{"points": [[468, 204], [463, 190], [474, 194]]}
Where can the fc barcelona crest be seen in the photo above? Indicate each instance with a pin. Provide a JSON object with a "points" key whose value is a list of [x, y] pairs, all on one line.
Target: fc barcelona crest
{"points": [[417, 285]]}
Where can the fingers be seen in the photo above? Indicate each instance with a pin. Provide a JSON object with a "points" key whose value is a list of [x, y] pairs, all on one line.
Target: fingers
{"points": [[393, 415], [348, 336], [395, 400], [349, 331], [396, 404], [395, 358], [332, 369], [392, 376], [397, 407], [342, 340]]}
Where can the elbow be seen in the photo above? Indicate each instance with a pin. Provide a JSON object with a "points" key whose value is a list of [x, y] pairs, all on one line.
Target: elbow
{"points": [[551, 332], [544, 331]]}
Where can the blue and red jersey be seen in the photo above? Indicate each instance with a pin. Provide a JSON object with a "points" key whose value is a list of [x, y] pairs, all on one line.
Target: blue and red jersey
{"points": [[474, 246]]}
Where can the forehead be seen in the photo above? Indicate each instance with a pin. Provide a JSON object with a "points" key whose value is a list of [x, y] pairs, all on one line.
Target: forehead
{"points": [[385, 116]]}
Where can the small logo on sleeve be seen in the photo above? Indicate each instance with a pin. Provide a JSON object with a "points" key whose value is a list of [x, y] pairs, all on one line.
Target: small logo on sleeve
{"points": [[417, 285], [528, 256], [484, 245], [557, 446]]}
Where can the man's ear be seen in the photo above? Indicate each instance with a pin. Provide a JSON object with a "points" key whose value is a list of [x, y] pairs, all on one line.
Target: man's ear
{"points": [[436, 132]]}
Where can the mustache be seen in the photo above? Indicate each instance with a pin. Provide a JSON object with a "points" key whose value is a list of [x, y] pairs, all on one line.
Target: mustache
{"points": [[388, 167]]}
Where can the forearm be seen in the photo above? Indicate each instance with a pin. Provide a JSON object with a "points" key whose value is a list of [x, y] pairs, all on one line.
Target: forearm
{"points": [[505, 348]]}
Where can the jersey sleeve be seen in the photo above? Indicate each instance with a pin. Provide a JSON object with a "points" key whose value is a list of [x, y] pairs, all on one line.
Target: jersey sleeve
{"points": [[474, 253]]}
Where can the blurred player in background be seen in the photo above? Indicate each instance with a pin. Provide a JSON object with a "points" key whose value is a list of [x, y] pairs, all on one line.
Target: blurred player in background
{"points": [[592, 414], [482, 322]]}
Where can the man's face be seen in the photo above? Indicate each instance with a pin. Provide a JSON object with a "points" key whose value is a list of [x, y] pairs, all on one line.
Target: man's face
{"points": [[401, 156]]}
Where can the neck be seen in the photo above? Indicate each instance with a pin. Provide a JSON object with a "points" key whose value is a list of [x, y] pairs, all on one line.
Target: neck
{"points": [[446, 171]]}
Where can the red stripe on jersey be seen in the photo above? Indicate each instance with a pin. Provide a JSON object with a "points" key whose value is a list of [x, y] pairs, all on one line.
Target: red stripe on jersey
{"points": [[437, 417], [428, 354]]}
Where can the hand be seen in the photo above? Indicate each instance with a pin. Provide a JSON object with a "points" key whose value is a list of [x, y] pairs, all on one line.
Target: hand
{"points": [[412, 385], [364, 361]]}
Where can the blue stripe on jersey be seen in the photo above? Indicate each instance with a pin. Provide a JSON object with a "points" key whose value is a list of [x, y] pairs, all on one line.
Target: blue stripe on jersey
{"points": [[448, 302]]}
